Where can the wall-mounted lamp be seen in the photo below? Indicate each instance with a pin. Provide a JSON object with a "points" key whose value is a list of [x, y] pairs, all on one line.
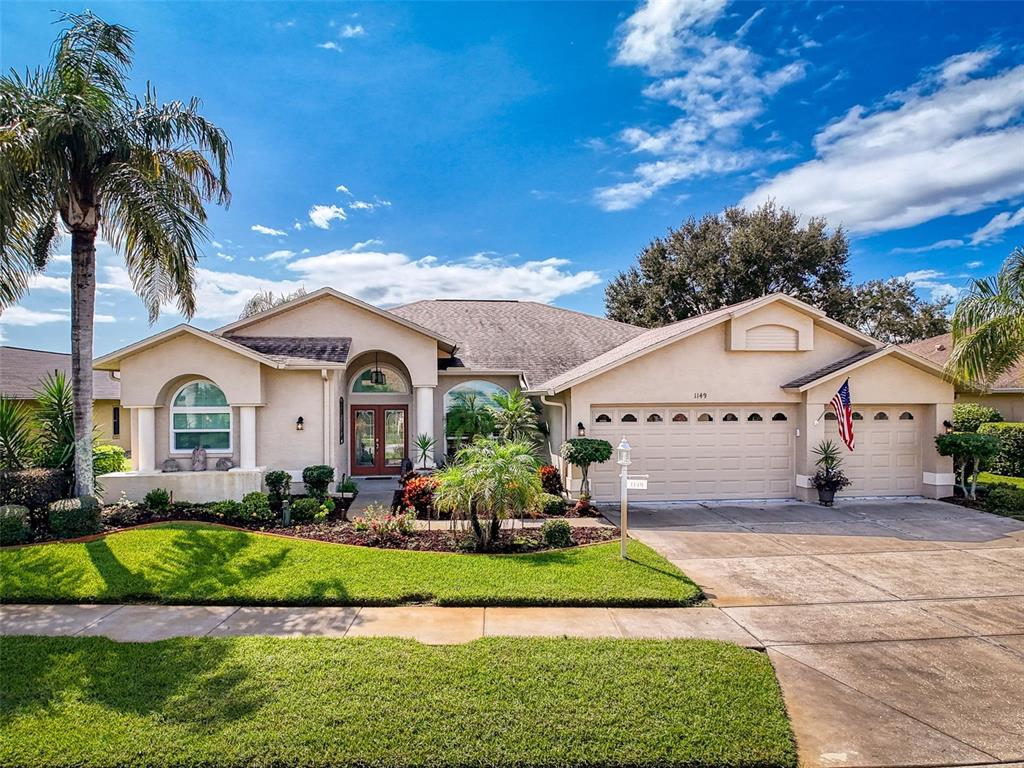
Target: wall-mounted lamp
{"points": [[948, 425], [300, 424], [581, 431]]}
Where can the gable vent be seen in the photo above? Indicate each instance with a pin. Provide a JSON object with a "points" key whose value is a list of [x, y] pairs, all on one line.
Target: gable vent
{"points": [[772, 337]]}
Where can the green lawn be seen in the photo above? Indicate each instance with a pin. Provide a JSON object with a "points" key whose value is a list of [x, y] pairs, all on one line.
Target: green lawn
{"points": [[196, 563], [384, 702], [988, 477]]}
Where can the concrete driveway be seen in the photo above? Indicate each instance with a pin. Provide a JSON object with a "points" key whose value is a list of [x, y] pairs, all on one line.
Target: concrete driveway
{"points": [[896, 627]]}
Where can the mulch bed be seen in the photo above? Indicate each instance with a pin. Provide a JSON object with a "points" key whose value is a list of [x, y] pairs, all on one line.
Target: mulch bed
{"points": [[962, 502], [442, 539]]}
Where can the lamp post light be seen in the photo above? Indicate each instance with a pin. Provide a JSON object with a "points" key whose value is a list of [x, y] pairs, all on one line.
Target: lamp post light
{"points": [[624, 461]]}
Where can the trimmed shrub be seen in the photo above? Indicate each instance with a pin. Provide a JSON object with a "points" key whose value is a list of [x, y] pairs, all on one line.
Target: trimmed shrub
{"points": [[419, 495], [551, 480], [229, 509], [256, 508], [556, 533], [971, 454], [33, 488], [318, 479], [1005, 500], [305, 509], [71, 518], [109, 458], [14, 525], [967, 417], [157, 500], [279, 484], [582, 452], [1010, 459], [550, 504]]}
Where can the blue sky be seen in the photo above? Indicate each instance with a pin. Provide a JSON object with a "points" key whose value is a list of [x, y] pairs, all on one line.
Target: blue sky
{"points": [[531, 150]]}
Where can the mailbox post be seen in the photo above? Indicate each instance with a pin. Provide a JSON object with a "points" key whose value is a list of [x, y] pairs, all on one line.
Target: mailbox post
{"points": [[624, 462]]}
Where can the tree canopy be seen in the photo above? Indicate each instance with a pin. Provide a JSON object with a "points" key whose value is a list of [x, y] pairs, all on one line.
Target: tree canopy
{"points": [[738, 255]]}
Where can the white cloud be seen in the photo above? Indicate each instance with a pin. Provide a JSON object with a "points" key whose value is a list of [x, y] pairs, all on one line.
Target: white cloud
{"points": [[364, 244], [268, 230], [40, 282], [104, 319], [278, 256], [117, 280], [18, 315], [947, 145], [956, 69], [322, 215], [350, 30], [330, 45], [973, 264], [931, 280], [1000, 223], [342, 188], [215, 244], [225, 256], [363, 205], [936, 246], [61, 258], [719, 85]]}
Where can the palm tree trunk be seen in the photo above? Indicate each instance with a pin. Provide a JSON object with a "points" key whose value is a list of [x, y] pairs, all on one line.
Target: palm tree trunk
{"points": [[83, 304]]}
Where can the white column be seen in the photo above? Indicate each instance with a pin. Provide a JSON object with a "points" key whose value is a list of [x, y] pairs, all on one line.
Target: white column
{"points": [[247, 436], [425, 421], [146, 420]]}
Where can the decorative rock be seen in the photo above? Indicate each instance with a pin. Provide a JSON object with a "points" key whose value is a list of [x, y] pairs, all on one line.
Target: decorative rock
{"points": [[198, 459], [224, 464], [171, 465]]}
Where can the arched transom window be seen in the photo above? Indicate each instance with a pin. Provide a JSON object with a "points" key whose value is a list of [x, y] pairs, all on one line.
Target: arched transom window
{"points": [[394, 382], [200, 418]]}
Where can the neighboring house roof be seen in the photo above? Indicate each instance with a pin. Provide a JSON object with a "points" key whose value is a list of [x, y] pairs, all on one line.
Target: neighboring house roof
{"points": [[538, 339], [298, 350], [21, 371], [938, 349]]}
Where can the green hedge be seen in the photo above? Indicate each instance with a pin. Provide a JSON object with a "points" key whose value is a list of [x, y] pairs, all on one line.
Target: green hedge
{"points": [[1010, 460], [968, 417], [109, 458]]}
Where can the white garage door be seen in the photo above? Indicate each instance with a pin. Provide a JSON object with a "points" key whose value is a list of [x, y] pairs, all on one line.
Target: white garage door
{"points": [[886, 460], [703, 452]]}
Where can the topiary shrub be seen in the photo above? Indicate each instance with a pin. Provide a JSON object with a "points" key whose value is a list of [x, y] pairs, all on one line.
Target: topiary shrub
{"points": [[1010, 459], [318, 479], [157, 500], [971, 454], [256, 508], [109, 458], [229, 510], [305, 509], [967, 417], [35, 489], [582, 452], [14, 525], [279, 485], [71, 518], [419, 495], [556, 533], [551, 480], [1005, 500], [550, 504]]}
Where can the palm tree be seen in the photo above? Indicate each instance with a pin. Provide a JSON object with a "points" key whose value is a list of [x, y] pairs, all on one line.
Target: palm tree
{"points": [[469, 416], [988, 325], [488, 482], [78, 150], [515, 418], [264, 300]]}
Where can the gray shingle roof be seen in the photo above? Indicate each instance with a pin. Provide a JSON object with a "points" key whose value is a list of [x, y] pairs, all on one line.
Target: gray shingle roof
{"points": [[838, 365], [938, 349], [298, 350], [21, 371], [538, 339]]}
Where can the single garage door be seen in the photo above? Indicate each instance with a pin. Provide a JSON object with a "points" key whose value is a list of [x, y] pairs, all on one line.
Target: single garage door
{"points": [[886, 460], [699, 452]]}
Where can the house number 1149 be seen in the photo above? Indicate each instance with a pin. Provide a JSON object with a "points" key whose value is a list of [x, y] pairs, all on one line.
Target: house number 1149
{"points": [[700, 395]]}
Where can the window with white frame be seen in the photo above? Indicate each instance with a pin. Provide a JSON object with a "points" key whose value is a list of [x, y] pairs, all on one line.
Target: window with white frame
{"points": [[200, 418]]}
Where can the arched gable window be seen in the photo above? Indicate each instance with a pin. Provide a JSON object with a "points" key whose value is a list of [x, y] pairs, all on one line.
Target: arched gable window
{"points": [[858, 416], [200, 418], [730, 417], [705, 417], [603, 418], [830, 417], [780, 416], [394, 382], [754, 417], [680, 417]]}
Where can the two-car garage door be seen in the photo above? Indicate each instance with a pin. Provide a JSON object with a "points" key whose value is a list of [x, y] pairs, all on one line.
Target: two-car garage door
{"points": [[700, 452]]}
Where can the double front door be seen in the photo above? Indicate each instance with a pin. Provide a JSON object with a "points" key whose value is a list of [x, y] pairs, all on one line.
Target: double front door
{"points": [[380, 439]]}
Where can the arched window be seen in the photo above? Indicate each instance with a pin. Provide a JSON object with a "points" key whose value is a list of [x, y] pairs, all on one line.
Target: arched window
{"points": [[654, 418], [730, 417], [466, 410], [858, 416], [705, 417], [680, 417], [881, 416], [906, 416], [200, 418], [629, 418], [830, 417], [603, 418], [780, 417], [754, 417], [394, 382]]}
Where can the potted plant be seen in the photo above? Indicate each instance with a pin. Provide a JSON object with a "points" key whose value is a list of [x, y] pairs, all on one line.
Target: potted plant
{"points": [[830, 477], [348, 488]]}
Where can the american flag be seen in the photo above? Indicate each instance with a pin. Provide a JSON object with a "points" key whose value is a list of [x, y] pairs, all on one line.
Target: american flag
{"points": [[844, 413]]}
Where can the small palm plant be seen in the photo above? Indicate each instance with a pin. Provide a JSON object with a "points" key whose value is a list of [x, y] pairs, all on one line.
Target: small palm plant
{"points": [[830, 477], [17, 440], [424, 444], [55, 418], [515, 418], [488, 482]]}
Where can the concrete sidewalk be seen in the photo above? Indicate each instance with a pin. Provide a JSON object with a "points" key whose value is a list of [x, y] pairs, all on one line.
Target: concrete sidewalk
{"points": [[428, 624]]}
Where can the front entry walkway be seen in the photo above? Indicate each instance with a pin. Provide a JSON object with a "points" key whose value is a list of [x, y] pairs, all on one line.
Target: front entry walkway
{"points": [[896, 627]]}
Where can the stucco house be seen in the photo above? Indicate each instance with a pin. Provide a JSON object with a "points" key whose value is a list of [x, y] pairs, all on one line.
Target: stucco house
{"points": [[1006, 394], [726, 405], [23, 370]]}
